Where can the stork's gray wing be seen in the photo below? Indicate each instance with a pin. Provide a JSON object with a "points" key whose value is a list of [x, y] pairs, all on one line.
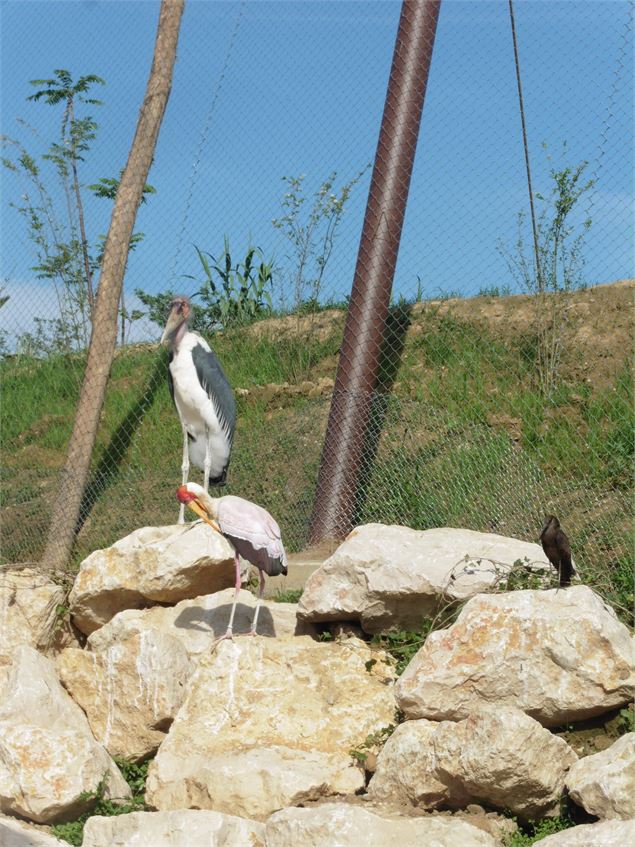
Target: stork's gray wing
{"points": [[213, 379]]}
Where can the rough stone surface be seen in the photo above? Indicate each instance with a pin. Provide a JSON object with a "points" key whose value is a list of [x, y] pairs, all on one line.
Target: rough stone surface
{"points": [[197, 623], [558, 655], [130, 691], [390, 577], [48, 756], [28, 610], [502, 758], [15, 833], [185, 828], [604, 784], [163, 564], [345, 825], [268, 723], [602, 834]]}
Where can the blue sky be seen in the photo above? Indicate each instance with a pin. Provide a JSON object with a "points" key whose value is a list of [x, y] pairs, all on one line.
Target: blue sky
{"points": [[302, 92]]}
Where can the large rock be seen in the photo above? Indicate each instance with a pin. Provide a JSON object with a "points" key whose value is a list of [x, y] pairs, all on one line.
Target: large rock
{"points": [[49, 761], [184, 828], [391, 577], [604, 784], [199, 622], [269, 723], [130, 691], [603, 834], [559, 655], [15, 833], [29, 604], [502, 758], [346, 825], [163, 564]]}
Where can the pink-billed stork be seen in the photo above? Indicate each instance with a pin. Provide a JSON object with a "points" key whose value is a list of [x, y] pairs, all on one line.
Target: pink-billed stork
{"points": [[203, 398], [249, 528]]}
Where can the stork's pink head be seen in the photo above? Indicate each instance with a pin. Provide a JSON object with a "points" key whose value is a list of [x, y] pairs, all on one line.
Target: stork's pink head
{"points": [[183, 495]]}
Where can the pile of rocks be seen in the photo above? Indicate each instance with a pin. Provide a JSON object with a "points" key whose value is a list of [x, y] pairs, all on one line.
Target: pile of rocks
{"points": [[257, 741]]}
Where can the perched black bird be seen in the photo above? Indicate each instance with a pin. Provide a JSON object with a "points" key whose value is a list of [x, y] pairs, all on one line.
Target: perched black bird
{"points": [[556, 546]]}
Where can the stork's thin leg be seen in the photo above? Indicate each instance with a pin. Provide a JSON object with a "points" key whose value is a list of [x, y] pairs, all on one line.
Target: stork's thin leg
{"points": [[208, 460], [185, 469], [230, 625], [261, 591]]}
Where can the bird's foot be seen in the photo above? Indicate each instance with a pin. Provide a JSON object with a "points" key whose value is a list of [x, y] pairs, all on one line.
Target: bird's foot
{"points": [[229, 636], [251, 632]]}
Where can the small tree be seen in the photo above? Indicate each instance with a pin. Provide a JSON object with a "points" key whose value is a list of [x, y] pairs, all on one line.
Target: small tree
{"points": [[557, 268], [64, 253], [311, 231]]}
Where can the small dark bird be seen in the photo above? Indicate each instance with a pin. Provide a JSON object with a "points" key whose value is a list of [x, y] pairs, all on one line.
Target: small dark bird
{"points": [[556, 546]]}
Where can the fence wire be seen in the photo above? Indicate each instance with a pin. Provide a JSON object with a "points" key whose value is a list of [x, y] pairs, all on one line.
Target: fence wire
{"points": [[497, 399]]}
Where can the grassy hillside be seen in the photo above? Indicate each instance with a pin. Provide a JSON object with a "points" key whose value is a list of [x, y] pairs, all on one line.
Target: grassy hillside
{"points": [[461, 434]]}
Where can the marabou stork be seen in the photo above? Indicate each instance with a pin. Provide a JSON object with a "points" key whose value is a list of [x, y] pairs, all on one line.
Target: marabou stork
{"points": [[556, 546], [249, 528], [203, 398]]}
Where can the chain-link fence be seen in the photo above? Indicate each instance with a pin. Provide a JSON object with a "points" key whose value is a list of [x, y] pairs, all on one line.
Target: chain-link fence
{"points": [[503, 377]]}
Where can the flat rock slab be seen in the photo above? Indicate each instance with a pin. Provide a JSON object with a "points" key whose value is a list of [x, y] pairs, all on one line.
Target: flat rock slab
{"points": [[15, 833], [197, 623], [558, 655], [346, 825], [603, 834], [500, 757], [391, 577], [130, 691], [604, 783], [49, 761], [163, 564], [270, 722], [185, 828]]}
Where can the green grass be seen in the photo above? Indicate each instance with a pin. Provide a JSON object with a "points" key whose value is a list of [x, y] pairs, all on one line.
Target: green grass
{"points": [[465, 439], [135, 775], [529, 833]]}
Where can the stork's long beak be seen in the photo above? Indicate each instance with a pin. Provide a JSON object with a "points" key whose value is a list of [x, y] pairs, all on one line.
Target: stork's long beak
{"points": [[195, 506], [173, 322]]}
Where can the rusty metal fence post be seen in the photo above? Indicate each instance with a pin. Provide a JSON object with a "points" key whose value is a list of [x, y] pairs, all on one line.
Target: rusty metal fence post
{"points": [[372, 283]]}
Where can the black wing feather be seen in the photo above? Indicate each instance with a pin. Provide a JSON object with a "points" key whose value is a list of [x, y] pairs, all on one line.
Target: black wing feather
{"points": [[215, 383]]}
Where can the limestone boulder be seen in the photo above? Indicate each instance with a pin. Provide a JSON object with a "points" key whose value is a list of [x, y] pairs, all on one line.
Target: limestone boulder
{"points": [[29, 605], [184, 828], [604, 784], [558, 655], [15, 833], [391, 577], [197, 623], [499, 757], [130, 691], [49, 759], [602, 834], [163, 564], [347, 825], [269, 723]]}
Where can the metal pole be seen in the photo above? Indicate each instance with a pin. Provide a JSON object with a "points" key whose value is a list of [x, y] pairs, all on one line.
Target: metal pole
{"points": [[372, 284]]}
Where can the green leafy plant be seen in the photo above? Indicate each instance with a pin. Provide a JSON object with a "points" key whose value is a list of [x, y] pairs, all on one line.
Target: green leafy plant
{"points": [[235, 293], [135, 774], [533, 831], [292, 595], [372, 743]]}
